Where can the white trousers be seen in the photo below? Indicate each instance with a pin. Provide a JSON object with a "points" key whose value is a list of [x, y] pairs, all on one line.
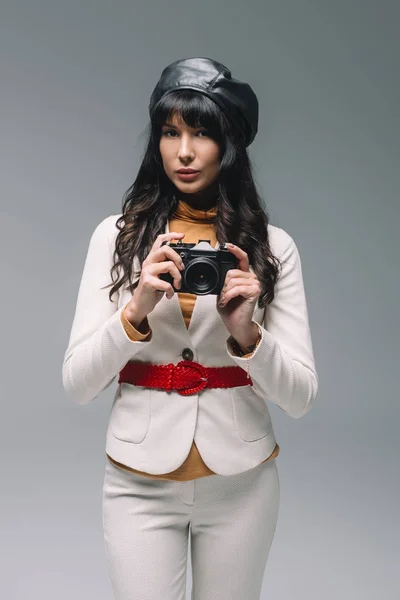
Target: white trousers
{"points": [[231, 522]]}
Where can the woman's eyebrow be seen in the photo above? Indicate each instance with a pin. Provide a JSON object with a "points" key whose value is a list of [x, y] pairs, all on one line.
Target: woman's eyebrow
{"points": [[175, 127]]}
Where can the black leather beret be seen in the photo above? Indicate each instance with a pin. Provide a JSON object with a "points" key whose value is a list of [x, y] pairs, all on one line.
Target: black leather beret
{"points": [[213, 79]]}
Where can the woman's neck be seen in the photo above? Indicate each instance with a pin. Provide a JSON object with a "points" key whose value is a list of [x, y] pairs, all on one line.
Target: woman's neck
{"points": [[204, 200], [197, 203], [186, 212]]}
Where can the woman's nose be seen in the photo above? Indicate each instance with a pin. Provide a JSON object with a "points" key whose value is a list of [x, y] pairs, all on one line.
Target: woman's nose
{"points": [[185, 148]]}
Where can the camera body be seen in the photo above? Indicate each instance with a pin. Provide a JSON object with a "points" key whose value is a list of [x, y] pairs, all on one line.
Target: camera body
{"points": [[205, 267]]}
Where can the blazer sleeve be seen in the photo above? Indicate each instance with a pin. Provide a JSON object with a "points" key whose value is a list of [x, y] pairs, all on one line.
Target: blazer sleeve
{"points": [[133, 333], [282, 366], [99, 346]]}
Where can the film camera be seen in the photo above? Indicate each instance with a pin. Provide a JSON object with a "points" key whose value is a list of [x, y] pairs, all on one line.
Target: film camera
{"points": [[205, 267]]}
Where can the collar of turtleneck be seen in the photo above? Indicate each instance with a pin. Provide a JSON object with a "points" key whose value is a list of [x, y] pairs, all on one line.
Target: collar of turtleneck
{"points": [[185, 212]]}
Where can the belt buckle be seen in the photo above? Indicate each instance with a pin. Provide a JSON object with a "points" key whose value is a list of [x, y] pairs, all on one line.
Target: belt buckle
{"points": [[200, 381]]}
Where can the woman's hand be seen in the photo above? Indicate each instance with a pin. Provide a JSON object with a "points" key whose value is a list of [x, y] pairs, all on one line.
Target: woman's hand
{"points": [[239, 296], [151, 288]]}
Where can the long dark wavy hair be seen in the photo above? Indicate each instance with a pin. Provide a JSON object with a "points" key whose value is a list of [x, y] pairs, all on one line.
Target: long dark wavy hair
{"points": [[153, 198]]}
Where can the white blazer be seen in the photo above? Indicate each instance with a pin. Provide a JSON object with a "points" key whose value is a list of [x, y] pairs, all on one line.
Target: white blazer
{"points": [[152, 430]]}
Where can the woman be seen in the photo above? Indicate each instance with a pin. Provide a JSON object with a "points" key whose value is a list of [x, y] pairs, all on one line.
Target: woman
{"points": [[190, 449]]}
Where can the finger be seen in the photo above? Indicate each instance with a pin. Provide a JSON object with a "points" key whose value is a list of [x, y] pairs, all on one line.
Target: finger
{"points": [[236, 249], [158, 285], [237, 281], [167, 267], [247, 291], [166, 237], [241, 255], [162, 253], [239, 273]]}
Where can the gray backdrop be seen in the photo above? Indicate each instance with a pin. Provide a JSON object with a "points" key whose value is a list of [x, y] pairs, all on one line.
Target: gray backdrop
{"points": [[76, 79]]}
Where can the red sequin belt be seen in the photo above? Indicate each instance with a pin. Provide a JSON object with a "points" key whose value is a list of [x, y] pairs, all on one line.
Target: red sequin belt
{"points": [[187, 377]]}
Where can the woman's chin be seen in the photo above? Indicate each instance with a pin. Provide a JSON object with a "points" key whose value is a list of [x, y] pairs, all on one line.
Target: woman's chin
{"points": [[190, 187]]}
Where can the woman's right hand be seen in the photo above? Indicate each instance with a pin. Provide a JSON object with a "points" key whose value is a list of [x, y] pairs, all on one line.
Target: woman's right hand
{"points": [[150, 288]]}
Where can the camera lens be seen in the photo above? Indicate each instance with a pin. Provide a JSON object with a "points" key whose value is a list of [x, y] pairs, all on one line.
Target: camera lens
{"points": [[201, 276]]}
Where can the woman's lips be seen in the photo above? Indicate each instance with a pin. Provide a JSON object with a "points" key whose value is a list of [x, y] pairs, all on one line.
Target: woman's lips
{"points": [[188, 176]]}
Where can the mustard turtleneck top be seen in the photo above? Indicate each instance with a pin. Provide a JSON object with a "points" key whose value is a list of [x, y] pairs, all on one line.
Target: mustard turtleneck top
{"points": [[195, 224]]}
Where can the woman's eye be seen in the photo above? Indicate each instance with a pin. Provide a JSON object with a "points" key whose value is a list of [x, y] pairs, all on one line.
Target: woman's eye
{"points": [[203, 132]]}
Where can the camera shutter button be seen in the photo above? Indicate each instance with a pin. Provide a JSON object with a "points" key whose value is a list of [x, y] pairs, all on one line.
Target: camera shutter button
{"points": [[187, 354]]}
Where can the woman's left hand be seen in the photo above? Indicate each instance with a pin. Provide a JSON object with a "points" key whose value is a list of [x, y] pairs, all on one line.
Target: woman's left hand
{"points": [[239, 295]]}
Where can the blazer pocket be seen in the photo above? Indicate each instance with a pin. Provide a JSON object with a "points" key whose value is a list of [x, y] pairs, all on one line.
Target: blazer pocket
{"points": [[250, 413], [131, 413]]}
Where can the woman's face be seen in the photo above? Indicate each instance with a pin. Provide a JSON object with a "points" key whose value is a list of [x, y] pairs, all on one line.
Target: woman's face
{"points": [[180, 147]]}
